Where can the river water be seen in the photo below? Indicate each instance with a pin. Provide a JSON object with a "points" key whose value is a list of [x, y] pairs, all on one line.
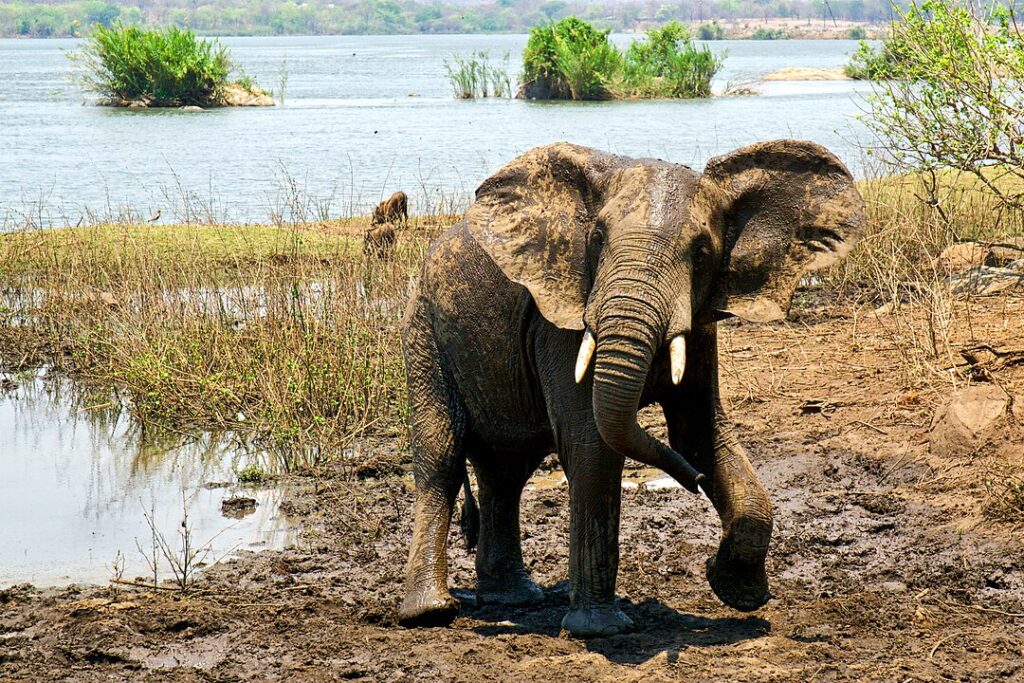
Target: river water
{"points": [[83, 488], [362, 117]]}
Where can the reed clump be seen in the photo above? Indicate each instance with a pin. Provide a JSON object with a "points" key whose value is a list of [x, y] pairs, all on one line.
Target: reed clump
{"points": [[572, 60], [476, 77]]}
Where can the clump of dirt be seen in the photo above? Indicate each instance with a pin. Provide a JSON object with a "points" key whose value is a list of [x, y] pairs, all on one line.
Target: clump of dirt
{"points": [[884, 564]]}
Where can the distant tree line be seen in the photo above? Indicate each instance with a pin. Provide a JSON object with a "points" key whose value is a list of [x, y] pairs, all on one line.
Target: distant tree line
{"points": [[319, 17]]}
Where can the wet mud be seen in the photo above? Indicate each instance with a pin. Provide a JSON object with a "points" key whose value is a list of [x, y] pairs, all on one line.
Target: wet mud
{"points": [[887, 563]]}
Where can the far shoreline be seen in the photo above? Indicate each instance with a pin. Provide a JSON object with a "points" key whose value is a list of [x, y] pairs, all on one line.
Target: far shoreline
{"points": [[734, 29]]}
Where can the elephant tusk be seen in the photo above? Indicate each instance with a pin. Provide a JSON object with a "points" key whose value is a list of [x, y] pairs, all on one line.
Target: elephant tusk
{"points": [[677, 357], [583, 357]]}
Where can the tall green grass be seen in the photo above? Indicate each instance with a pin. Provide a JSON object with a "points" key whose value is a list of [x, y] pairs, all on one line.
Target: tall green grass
{"points": [[573, 60], [160, 68], [475, 76]]}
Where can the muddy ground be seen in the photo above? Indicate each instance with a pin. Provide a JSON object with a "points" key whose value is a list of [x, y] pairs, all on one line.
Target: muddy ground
{"points": [[891, 560]]}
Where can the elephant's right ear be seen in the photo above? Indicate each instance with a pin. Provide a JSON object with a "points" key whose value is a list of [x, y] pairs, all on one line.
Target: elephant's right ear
{"points": [[533, 218]]}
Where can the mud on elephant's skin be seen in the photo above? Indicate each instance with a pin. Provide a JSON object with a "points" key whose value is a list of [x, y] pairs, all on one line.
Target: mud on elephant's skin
{"points": [[571, 258]]}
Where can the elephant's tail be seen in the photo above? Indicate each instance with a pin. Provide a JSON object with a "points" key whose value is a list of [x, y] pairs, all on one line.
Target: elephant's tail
{"points": [[469, 520]]}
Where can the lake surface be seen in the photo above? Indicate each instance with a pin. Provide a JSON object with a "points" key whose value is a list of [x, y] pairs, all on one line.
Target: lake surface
{"points": [[78, 479], [362, 117]]}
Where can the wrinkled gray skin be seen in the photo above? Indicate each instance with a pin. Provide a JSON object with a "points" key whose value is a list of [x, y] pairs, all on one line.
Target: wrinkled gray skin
{"points": [[638, 252]]}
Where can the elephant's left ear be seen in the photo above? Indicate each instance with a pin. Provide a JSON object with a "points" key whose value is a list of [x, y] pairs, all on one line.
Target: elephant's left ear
{"points": [[789, 207], [533, 218]]}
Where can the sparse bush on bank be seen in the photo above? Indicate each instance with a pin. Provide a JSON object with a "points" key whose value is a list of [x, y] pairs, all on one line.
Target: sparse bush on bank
{"points": [[572, 60], [475, 76], [712, 31], [769, 34], [127, 65]]}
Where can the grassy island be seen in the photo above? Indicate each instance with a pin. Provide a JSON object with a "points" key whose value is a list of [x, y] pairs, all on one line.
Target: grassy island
{"points": [[572, 60], [130, 66]]}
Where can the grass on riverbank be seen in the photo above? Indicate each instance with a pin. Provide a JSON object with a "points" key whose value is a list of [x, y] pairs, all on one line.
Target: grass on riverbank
{"points": [[288, 336], [283, 335]]}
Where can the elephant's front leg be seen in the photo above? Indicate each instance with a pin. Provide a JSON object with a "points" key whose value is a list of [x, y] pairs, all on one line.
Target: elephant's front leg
{"points": [[594, 472], [699, 428]]}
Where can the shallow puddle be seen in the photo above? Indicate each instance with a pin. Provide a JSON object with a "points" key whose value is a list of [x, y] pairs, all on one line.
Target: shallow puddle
{"points": [[80, 482]]}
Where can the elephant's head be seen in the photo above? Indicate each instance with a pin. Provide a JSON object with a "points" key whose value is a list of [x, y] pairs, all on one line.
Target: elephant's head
{"points": [[637, 252]]}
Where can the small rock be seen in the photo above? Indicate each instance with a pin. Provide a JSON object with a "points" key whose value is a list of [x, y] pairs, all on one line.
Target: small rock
{"points": [[971, 416], [989, 279], [963, 256], [236, 95], [192, 108], [893, 587]]}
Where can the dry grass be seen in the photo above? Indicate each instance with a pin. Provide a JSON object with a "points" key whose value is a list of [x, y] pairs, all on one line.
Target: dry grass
{"points": [[911, 220], [285, 335]]}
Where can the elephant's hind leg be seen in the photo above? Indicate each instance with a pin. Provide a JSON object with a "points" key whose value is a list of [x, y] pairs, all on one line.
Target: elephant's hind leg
{"points": [[439, 468], [501, 577]]}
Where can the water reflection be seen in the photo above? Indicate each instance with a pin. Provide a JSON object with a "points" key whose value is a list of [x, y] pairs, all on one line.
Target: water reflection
{"points": [[78, 475]]}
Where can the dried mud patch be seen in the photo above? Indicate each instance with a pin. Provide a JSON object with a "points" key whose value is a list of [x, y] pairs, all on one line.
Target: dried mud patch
{"points": [[884, 564]]}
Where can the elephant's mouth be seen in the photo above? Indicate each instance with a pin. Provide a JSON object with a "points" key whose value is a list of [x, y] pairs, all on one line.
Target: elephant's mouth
{"points": [[622, 361]]}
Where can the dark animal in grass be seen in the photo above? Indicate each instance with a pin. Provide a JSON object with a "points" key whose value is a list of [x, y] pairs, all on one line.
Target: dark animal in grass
{"points": [[379, 241], [579, 287], [392, 210]]}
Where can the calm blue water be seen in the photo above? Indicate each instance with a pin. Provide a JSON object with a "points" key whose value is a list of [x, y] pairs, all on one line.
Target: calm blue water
{"points": [[364, 116]]}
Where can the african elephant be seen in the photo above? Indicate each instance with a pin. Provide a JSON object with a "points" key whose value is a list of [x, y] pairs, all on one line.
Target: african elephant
{"points": [[571, 257]]}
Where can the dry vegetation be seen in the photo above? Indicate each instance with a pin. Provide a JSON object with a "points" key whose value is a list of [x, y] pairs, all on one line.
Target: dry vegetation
{"points": [[285, 335]]}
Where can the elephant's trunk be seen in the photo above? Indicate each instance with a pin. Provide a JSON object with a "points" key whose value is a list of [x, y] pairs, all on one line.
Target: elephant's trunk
{"points": [[629, 332]]}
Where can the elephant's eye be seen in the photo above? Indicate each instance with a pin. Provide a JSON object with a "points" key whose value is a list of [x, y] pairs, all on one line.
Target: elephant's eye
{"points": [[597, 236], [701, 252]]}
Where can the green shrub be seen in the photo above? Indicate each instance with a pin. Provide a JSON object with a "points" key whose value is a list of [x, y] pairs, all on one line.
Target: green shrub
{"points": [[712, 31], [160, 68], [857, 33], [870, 64], [573, 60], [769, 34], [570, 60], [949, 97], [659, 67]]}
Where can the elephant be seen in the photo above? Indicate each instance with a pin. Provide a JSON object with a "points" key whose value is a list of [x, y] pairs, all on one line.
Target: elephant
{"points": [[579, 287], [392, 209]]}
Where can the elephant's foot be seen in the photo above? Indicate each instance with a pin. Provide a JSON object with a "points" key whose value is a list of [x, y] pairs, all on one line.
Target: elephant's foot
{"points": [[594, 622], [428, 607], [516, 589], [743, 588]]}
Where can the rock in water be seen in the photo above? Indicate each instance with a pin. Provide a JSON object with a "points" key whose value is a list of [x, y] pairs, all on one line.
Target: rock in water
{"points": [[236, 95]]}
